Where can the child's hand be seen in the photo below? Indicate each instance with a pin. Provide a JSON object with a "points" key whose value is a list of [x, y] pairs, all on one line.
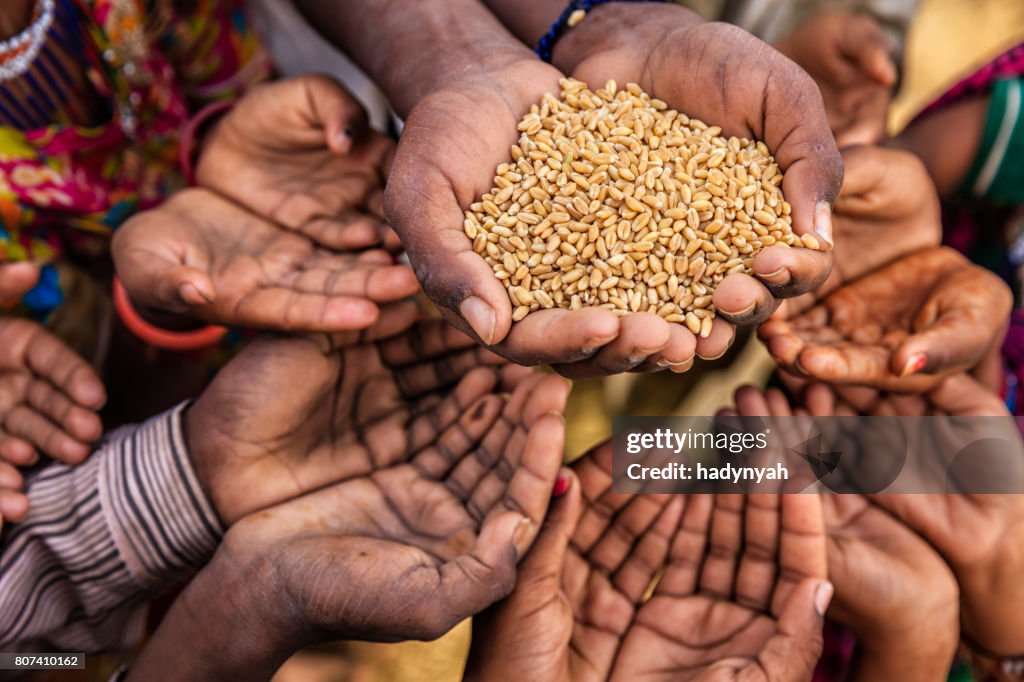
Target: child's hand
{"points": [[980, 536], [405, 551], [740, 589], [902, 327], [297, 152], [48, 397], [886, 209], [291, 415], [893, 590], [16, 279], [849, 57], [579, 588], [203, 256]]}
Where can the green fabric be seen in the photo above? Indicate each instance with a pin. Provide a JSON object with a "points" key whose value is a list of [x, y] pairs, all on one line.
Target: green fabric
{"points": [[1007, 183]]}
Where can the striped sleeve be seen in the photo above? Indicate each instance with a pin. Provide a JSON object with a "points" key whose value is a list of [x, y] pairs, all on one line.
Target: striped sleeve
{"points": [[102, 538]]}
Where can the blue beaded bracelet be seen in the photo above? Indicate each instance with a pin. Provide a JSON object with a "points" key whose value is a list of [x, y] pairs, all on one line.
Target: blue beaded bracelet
{"points": [[547, 42]]}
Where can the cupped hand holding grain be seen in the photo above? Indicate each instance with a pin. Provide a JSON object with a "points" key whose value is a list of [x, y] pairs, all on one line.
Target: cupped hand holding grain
{"points": [[726, 77], [453, 141], [207, 258], [900, 328]]}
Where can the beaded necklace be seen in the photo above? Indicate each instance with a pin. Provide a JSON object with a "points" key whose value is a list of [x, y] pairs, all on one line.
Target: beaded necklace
{"points": [[39, 91]]}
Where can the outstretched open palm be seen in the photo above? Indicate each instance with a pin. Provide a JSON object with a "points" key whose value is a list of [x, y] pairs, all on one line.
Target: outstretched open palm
{"points": [[410, 549], [902, 327], [202, 255], [291, 415]]}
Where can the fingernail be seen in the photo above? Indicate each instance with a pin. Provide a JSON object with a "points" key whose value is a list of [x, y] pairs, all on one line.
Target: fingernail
{"points": [[561, 484], [346, 140], [520, 535], [741, 313], [191, 295], [823, 597], [779, 277], [681, 367], [915, 363], [480, 317], [823, 221]]}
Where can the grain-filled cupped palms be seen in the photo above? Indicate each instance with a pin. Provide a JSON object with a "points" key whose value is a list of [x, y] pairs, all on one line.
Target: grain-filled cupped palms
{"points": [[204, 256], [474, 120], [902, 327], [739, 588], [331, 408], [412, 548], [726, 77]]}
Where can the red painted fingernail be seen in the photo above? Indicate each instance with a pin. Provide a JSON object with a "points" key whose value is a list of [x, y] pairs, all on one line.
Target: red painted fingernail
{"points": [[561, 485], [915, 363]]}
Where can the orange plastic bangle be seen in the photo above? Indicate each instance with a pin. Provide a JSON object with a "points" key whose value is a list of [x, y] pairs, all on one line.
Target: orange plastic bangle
{"points": [[161, 338]]}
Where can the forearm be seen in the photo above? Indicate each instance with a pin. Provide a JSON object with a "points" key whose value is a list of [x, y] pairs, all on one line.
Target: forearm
{"points": [[213, 632], [961, 127], [528, 20], [101, 538], [411, 49], [895, 661]]}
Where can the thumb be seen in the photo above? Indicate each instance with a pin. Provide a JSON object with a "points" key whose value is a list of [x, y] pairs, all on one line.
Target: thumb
{"points": [[170, 287], [337, 111], [865, 44], [17, 279], [793, 652], [948, 344]]}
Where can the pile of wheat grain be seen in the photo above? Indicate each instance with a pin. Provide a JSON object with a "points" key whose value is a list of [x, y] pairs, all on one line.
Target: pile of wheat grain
{"points": [[613, 200]]}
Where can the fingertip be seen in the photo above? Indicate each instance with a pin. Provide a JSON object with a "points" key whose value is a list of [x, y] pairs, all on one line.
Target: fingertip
{"points": [[72, 452], [718, 342], [10, 477], [84, 426], [350, 314], [89, 392], [196, 293], [13, 505], [18, 451], [482, 319]]}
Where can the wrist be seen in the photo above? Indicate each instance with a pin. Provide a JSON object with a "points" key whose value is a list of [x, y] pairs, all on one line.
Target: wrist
{"points": [[620, 25], [911, 653], [414, 49], [217, 620], [992, 613]]}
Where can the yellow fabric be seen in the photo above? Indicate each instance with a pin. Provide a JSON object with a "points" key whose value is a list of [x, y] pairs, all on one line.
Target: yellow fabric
{"points": [[949, 40]]}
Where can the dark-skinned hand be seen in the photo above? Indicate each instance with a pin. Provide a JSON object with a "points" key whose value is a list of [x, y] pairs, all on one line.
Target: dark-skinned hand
{"points": [[298, 153], [291, 415], [887, 208], [719, 611], [475, 117], [205, 257], [726, 77], [848, 56], [902, 327], [49, 396], [892, 590], [979, 535], [403, 552]]}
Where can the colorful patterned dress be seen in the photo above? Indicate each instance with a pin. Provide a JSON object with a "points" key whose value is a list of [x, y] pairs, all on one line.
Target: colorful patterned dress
{"points": [[91, 134]]}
